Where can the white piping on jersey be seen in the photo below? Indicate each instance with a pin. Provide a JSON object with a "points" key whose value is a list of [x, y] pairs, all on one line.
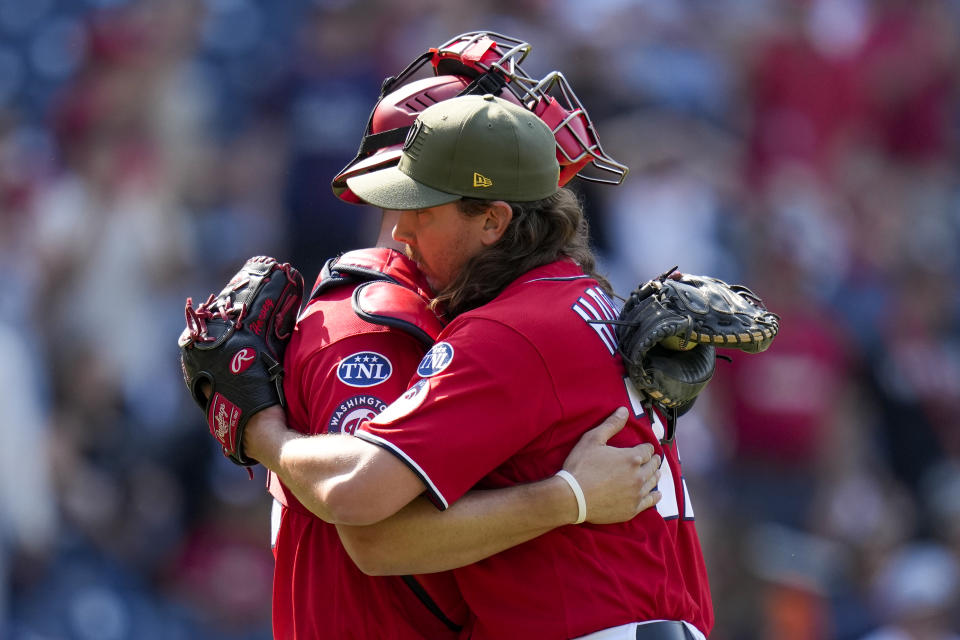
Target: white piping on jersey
{"points": [[377, 440], [557, 279]]}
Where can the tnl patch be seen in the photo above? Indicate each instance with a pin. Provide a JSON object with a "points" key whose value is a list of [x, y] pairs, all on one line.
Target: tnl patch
{"points": [[352, 411], [436, 360], [364, 369]]}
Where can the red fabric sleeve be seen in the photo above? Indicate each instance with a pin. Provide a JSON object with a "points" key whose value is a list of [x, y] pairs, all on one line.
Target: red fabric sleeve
{"points": [[483, 393]]}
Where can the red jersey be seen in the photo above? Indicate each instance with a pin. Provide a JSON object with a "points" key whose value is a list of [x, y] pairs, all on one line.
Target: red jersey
{"points": [[339, 371], [500, 400]]}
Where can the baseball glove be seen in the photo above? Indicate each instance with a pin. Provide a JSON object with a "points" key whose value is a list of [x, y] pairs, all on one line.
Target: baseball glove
{"points": [[235, 342], [669, 328]]}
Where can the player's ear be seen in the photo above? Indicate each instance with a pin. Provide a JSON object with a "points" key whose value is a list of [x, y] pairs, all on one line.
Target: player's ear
{"points": [[496, 219]]}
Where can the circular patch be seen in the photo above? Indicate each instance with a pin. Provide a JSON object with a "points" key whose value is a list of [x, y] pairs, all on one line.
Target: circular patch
{"points": [[242, 360], [364, 369], [436, 360], [352, 411], [405, 404]]}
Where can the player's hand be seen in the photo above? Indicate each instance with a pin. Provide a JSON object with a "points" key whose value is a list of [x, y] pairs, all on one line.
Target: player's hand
{"points": [[618, 483], [262, 426]]}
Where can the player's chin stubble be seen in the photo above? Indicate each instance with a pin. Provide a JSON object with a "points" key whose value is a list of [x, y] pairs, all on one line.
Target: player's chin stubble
{"points": [[415, 256]]}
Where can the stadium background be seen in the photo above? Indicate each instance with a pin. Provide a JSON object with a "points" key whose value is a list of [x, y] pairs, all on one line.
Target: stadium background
{"points": [[807, 148]]}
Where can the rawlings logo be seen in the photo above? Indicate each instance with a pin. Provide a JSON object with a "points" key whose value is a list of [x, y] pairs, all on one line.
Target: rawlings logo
{"points": [[257, 325], [223, 420], [242, 360]]}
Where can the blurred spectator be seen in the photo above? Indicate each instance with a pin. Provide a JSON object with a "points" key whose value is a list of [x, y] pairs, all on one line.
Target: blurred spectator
{"points": [[940, 489], [804, 95], [28, 520], [226, 567], [909, 79], [778, 411], [324, 100], [796, 572], [916, 370], [675, 208], [29, 524], [916, 594], [109, 229]]}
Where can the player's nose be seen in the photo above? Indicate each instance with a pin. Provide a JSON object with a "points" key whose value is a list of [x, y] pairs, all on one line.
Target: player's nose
{"points": [[403, 230]]}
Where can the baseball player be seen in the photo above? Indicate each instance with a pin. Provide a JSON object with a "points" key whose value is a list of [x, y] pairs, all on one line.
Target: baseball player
{"points": [[340, 371], [357, 344], [504, 394]]}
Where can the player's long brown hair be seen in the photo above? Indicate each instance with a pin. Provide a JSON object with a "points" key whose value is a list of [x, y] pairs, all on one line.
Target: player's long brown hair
{"points": [[539, 233]]}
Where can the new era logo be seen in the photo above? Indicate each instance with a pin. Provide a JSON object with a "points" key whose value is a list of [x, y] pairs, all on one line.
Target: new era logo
{"points": [[480, 180]]}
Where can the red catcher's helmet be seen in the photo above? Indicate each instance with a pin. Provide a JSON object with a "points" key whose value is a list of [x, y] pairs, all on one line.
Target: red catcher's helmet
{"points": [[391, 120], [480, 62], [551, 98]]}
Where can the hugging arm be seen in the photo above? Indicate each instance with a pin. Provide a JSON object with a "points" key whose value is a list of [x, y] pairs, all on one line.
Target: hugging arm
{"points": [[617, 483]]}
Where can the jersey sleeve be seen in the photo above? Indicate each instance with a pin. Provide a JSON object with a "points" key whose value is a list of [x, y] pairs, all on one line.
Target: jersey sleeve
{"points": [[356, 378], [479, 396]]}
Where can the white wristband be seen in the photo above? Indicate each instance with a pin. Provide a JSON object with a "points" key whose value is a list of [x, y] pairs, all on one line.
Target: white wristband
{"points": [[577, 491]]}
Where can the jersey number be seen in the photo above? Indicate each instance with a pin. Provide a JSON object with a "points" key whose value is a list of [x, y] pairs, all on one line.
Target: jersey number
{"points": [[672, 498]]}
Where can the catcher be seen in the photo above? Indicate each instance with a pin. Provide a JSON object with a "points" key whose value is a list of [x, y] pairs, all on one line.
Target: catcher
{"points": [[358, 341], [342, 458]]}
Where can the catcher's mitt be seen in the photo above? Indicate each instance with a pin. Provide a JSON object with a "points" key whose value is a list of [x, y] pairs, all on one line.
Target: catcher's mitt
{"points": [[669, 328], [235, 341]]}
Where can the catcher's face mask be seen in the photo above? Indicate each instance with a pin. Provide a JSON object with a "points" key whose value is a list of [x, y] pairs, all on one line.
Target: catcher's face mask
{"points": [[480, 63]]}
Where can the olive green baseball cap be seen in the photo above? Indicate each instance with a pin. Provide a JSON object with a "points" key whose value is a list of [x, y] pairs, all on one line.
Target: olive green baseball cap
{"points": [[468, 146]]}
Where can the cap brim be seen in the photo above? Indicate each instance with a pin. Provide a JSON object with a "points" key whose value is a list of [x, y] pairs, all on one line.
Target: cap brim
{"points": [[390, 188], [378, 160]]}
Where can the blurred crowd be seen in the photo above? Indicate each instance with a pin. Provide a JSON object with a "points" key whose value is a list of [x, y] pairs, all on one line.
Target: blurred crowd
{"points": [[805, 148]]}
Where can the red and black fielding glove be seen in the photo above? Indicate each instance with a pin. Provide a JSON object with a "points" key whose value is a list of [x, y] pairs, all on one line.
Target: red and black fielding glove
{"points": [[235, 342]]}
